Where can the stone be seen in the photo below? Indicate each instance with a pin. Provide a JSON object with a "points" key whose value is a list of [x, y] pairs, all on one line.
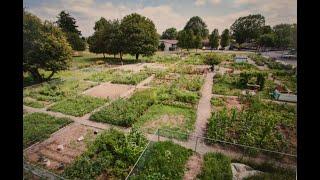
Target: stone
{"points": [[241, 171], [47, 162], [60, 166], [95, 132], [60, 147], [81, 138]]}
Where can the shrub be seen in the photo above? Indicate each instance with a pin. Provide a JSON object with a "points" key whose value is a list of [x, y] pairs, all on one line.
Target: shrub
{"points": [[216, 166], [77, 106], [39, 126], [32, 103]]}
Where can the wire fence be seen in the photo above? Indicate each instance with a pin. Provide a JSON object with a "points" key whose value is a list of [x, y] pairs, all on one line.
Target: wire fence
{"points": [[203, 145]]}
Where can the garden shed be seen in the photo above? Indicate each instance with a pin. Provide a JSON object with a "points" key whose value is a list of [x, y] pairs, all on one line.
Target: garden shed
{"points": [[241, 59]]}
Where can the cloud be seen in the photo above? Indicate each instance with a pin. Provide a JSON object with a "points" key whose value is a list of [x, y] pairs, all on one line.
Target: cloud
{"points": [[87, 12], [200, 2]]}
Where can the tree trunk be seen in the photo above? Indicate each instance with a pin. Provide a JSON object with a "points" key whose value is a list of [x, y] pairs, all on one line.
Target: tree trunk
{"points": [[196, 50], [137, 56], [104, 56], [114, 56], [121, 57], [50, 76], [36, 75]]}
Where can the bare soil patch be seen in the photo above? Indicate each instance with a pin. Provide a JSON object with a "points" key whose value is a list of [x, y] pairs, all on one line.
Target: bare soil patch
{"points": [[167, 120], [193, 167], [47, 153], [108, 90]]}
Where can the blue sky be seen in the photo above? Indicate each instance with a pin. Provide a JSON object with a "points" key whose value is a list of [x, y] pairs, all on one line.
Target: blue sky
{"points": [[218, 14]]}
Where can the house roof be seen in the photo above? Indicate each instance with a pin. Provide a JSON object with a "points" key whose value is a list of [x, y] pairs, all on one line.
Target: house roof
{"points": [[169, 41]]}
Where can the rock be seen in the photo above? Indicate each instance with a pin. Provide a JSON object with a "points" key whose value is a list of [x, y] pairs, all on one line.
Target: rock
{"points": [[60, 166], [60, 147], [95, 132], [80, 138], [241, 171], [47, 162]]}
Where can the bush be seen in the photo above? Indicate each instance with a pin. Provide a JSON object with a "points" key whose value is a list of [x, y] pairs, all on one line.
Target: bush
{"points": [[216, 166], [77, 106], [163, 160], [112, 153], [39, 126]]}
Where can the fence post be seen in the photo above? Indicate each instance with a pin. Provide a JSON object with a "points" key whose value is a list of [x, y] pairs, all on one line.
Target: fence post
{"points": [[195, 148]]}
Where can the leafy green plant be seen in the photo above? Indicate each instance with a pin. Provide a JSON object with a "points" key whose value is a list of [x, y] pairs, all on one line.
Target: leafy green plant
{"points": [[125, 112], [217, 101], [32, 103], [112, 153], [163, 160], [77, 106], [216, 166], [39, 126]]}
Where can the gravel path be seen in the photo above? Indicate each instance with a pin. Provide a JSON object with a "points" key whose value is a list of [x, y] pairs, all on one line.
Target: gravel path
{"points": [[204, 106]]}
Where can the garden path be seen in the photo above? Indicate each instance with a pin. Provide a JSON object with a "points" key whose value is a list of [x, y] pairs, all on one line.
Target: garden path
{"points": [[204, 106]]}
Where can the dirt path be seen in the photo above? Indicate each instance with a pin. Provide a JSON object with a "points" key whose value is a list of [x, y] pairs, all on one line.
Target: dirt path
{"points": [[193, 167], [204, 106]]}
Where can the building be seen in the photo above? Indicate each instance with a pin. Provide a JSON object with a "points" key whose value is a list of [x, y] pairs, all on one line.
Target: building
{"points": [[170, 45]]}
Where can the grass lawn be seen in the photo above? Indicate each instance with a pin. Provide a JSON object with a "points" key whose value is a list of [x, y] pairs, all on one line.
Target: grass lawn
{"points": [[110, 156], [216, 166], [77, 106], [39, 126], [163, 160], [168, 117]]}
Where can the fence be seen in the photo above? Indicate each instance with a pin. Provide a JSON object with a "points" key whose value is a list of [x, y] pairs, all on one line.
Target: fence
{"points": [[35, 171], [203, 145]]}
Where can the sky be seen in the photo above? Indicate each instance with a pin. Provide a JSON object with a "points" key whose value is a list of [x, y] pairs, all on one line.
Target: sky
{"points": [[218, 14]]}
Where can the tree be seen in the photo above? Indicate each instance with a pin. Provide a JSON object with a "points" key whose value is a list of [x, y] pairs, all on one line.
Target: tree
{"points": [[97, 43], [198, 27], [162, 46], [139, 35], [68, 26], [170, 33], [266, 29], [214, 39], [44, 47], [213, 59], [225, 38], [266, 40], [248, 28], [284, 34], [197, 42], [186, 39]]}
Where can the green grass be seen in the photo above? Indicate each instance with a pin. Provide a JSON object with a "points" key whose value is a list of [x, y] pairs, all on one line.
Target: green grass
{"points": [[157, 111], [260, 125], [77, 106], [189, 82], [216, 166], [111, 154], [243, 66], [125, 112], [217, 101], [39, 126], [32, 103], [226, 85], [163, 160]]}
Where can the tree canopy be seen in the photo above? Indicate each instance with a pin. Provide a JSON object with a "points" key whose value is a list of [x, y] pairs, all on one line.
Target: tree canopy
{"points": [[225, 38], [248, 28], [198, 27], [44, 47], [186, 39], [68, 25], [285, 35], [214, 39], [140, 35], [170, 33]]}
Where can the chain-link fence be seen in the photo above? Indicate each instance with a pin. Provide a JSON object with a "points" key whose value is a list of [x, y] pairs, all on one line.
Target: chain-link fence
{"points": [[203, 145]]}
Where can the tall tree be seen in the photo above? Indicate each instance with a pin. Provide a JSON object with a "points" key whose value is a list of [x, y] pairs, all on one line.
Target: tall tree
{"points": [[97, 43], [214, 39], [170, 33], [139, 35], [186, 39], [248, 28], [197, 42], [44, 47], [225, 38], [267, 40], [266, 29], [68, 25], [198, 27], [284, 34]]}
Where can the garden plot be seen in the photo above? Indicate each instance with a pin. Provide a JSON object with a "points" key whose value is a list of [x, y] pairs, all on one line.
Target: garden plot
{"points": [[219, 103], [140, 66], [108, 90], [61, 148]]}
